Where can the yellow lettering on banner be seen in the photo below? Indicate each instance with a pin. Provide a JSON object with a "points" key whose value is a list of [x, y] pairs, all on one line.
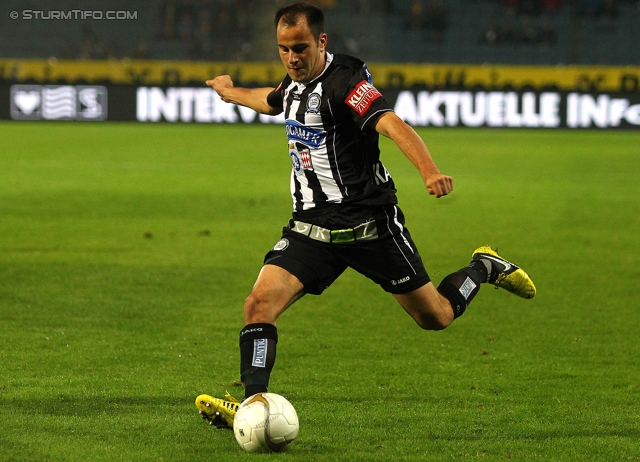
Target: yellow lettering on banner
{"points": [[139, 72], [400, 76], [570, 78]]}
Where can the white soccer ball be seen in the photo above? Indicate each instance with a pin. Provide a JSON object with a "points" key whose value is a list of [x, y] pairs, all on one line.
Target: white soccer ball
{"points": [[265, 422]]}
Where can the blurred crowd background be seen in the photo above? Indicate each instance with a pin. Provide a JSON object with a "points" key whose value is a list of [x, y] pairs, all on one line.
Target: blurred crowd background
{"points": [[544, 32]]}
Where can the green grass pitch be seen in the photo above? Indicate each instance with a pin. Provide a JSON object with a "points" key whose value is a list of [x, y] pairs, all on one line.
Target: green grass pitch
{"points": [[126, 251]]}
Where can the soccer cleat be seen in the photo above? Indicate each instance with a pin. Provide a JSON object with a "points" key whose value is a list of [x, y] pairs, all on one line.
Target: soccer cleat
{"points": [[505, 274], [218, 412]]}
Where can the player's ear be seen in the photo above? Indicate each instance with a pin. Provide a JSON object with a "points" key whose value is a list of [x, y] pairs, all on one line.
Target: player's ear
{"points": [[322, 41]]}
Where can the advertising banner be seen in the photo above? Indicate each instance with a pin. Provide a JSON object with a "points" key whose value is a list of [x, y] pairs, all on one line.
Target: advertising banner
{"points": [[496, 109], [399, 76], [518, 109]]}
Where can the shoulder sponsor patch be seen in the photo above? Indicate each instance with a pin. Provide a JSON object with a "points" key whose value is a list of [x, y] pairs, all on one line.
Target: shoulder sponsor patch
{"points": [[362, 96]]}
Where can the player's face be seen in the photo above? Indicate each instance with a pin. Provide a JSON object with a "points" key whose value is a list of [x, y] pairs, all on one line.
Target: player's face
{"points": [[301, 54]]}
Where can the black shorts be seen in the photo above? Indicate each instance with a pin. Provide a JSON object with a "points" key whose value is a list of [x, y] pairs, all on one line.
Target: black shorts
{"points": [[392, 260]]}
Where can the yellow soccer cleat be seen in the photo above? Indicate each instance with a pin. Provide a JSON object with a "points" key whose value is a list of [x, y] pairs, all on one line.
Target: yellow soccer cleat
{"points": [[505, 274], [218, 412]]}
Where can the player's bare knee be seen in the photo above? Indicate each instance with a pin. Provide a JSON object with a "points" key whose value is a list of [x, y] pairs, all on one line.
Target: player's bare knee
{"points": [[435, 317], [431, 322], [255, 308]]}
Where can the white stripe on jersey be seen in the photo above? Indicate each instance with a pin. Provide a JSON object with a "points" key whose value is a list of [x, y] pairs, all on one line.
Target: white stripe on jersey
{"points": [[320, 158], [335, 155], [305, 190]]}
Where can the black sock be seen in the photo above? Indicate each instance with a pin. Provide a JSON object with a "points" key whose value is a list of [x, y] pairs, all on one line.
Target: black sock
{"points": [[460, 288], [257, 356], [482, 269]]}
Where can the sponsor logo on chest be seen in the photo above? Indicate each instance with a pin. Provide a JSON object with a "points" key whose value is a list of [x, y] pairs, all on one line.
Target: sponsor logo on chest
{"points": [[300, 158], [306, 135]]}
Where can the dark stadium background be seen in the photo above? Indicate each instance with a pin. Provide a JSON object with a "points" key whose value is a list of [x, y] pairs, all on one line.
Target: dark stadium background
{"points": [[580, 50]]}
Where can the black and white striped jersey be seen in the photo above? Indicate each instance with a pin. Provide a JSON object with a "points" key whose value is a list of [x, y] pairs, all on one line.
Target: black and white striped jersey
{"points": [[332, 141]]}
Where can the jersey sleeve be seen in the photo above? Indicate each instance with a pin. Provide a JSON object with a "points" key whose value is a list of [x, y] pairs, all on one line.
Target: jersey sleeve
{"points": [[364, 101], [275, 99]]}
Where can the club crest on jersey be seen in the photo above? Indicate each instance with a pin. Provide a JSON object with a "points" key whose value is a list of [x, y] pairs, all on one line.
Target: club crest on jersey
{"points": [[306, 135], [281, 244], [362, 96], [313, 103], [300, 159]]}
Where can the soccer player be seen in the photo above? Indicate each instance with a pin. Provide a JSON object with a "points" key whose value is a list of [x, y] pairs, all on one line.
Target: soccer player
{"points": [[345, 211]]}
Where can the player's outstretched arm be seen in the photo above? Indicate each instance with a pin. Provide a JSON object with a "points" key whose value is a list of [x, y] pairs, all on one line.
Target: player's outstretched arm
{"points": [[412, 146], [255, 98]]}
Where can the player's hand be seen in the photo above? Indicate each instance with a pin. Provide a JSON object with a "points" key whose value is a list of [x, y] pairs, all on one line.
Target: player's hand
{"points": [[220, 84], [439, 185]]}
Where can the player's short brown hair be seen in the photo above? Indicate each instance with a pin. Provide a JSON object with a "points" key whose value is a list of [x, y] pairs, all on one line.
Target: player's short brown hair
{"points": [[290, 16]]}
